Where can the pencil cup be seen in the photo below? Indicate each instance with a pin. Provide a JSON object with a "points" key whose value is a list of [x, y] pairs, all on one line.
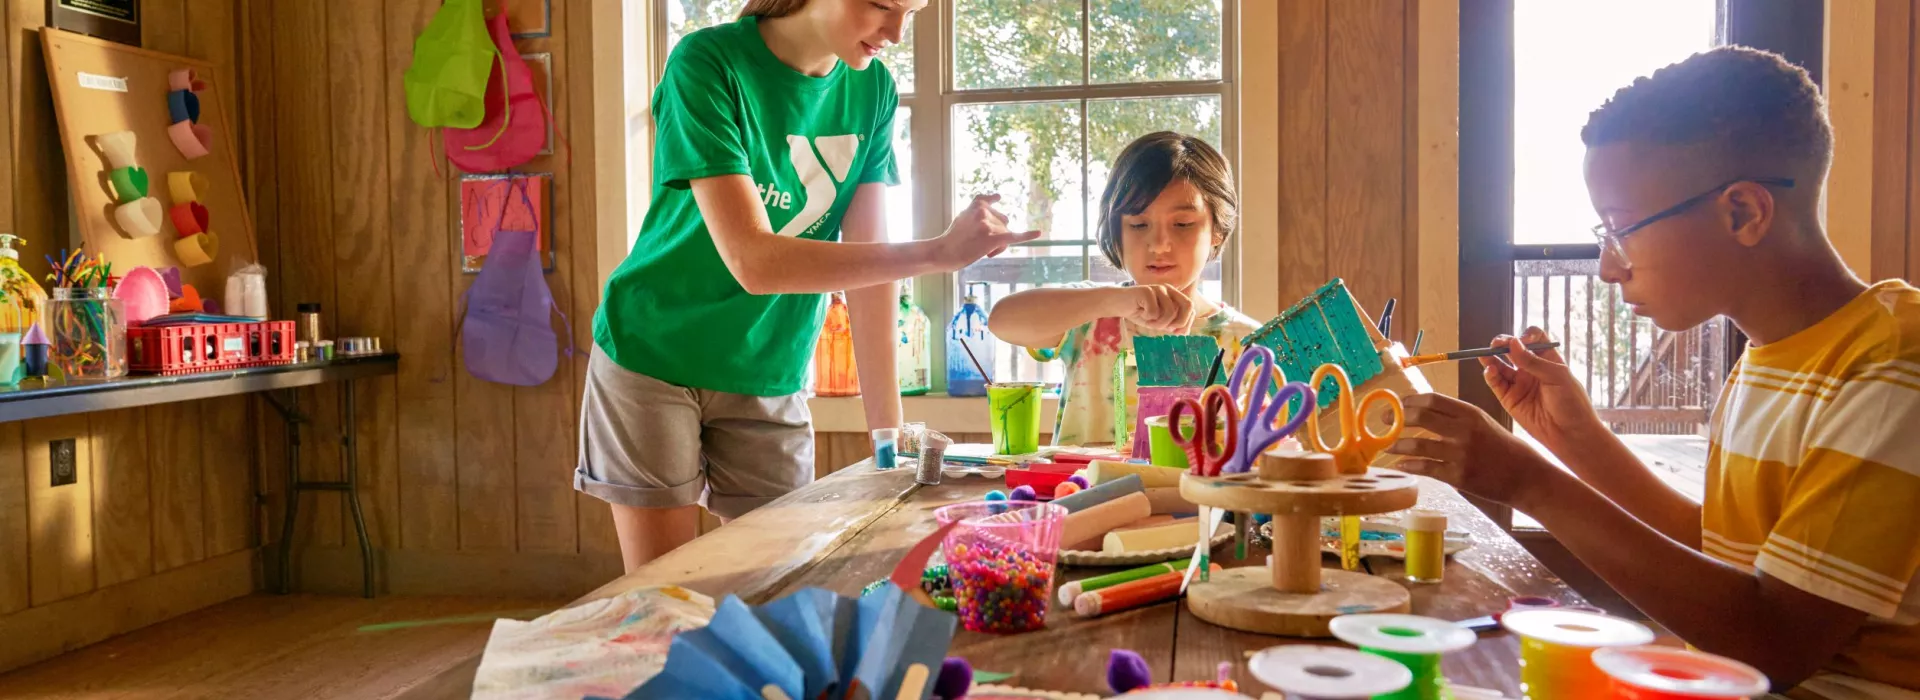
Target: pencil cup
{"points": [[1000, 556], [1015, 417], [89, 333], [1164, 451]]}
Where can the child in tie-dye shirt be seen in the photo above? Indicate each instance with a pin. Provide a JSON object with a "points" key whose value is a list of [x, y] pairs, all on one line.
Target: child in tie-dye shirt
{"points": [[1167, 210]]}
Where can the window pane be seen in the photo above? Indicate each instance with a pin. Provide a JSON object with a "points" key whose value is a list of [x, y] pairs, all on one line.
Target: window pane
{"points": [[1136, 41], [1016, 43], [900, 222], [1112, 124], [899, 60], [688, 16], [1009, 273], [1569, 59], [1029, 153]]}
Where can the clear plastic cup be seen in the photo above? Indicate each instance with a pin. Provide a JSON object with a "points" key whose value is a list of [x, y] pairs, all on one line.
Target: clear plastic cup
{"points": [[1000, 560]]}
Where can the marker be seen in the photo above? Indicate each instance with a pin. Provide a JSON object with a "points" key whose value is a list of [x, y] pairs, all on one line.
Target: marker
{"points": [[1418, 360]]}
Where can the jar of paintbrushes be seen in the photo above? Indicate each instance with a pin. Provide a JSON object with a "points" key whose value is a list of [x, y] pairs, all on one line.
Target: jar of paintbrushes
{"points": [[88, 327]]}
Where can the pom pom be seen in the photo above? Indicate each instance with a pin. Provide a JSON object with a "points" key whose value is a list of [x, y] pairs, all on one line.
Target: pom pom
{"points": [[956, 679], [1079, 480], [1023, 493], [1065, 489], [996, 495], [1126, 670]]}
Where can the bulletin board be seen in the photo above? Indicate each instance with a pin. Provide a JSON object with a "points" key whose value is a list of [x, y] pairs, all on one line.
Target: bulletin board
{"points": [[100, 87]]}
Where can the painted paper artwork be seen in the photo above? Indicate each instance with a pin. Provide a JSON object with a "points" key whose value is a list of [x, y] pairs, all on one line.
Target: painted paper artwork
{"points": [[1174, 360], [604, 647], [1326, 327], [490, 203]]}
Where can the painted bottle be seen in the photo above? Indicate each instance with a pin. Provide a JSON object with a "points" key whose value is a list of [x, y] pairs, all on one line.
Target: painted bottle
{"points": [[968, 333], [21, 300], [833, 369], [912, 360]]}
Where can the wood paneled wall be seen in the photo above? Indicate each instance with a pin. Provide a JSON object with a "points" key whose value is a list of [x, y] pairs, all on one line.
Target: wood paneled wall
{"points": [[1895, 147], [353, 215], [161, 519]]}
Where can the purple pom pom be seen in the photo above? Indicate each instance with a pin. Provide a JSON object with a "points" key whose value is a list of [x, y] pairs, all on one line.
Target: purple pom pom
{"points": [[1126, 670], [1023, 493], [956, 679], [1078, 480]]}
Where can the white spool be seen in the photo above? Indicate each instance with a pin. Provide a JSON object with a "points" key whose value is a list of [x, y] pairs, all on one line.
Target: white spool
{"points": [[1313, 672]]}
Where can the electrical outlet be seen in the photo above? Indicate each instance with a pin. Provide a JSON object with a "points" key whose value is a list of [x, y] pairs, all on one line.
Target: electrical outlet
{"points": [[64, 458]]}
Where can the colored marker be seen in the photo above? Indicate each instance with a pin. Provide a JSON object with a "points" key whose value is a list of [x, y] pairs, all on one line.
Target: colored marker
{"points": [[1073, 589]]}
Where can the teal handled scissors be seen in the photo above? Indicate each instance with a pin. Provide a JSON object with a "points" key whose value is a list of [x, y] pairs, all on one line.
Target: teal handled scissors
{"points": [[1260, 425], [1215, 434]]}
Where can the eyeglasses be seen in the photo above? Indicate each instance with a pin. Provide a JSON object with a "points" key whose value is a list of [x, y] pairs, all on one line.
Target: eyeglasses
{"points": [[1610, 240]]}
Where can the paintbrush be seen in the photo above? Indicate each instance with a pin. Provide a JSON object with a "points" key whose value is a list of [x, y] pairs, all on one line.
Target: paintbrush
{"points": [[1213, 375], [1418, 360], [976, 361]]}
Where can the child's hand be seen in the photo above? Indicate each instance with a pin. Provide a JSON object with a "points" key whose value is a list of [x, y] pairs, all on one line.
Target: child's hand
{"points": [[1468, 450], [1539, 391], [1155, 306], [978, 232]]}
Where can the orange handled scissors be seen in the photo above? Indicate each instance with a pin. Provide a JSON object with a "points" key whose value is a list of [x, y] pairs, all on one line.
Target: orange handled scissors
{"points": [[1358, 446], [1215, 430]]}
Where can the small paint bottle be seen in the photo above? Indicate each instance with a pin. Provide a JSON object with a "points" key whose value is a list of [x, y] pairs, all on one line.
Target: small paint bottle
{"points": [[933, 453], [1426, 532], [885, 448]]}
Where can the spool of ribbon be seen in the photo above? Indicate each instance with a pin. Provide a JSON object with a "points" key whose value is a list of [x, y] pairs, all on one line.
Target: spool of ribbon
{"points": [[129, 183], [197, 249], [192, 139], [186, 185], [1557, 647], [190, 218], [139, 218], [118, 148], [1313, 672], [1667, 673], [1412, 641]]}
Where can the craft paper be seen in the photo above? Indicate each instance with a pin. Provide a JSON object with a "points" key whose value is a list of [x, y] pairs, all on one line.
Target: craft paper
{"points": [[600, 648], [1174, 360], [1158, 401]]}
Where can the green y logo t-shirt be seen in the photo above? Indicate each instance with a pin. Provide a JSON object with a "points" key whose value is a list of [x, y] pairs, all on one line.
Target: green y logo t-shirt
{"points": [[726, 105]]}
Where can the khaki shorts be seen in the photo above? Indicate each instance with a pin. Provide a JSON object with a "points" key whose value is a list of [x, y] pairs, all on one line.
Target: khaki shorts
{"points": [[650, 444]]}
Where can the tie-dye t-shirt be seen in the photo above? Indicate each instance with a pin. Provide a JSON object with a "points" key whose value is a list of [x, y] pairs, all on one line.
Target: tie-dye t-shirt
{"points": [[1094, 355]]}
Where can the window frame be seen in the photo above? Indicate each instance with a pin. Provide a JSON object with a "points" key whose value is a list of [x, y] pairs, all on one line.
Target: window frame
{"points": [[934, 100]]}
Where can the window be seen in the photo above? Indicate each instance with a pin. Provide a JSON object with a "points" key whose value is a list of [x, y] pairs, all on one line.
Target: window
{"points": [[1032, 99]]}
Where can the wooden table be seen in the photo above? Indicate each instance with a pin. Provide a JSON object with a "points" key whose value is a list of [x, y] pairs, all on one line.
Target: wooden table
{"points": [[851, 528]]}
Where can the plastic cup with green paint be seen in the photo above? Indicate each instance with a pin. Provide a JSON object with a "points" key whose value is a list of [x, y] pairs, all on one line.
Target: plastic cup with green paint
{"points": [[1015, 416]]}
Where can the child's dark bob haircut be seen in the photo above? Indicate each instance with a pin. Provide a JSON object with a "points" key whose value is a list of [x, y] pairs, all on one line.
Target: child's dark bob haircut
{"points": [[1146, 166]]}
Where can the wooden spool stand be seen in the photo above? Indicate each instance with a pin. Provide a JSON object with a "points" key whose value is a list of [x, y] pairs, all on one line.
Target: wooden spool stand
{"points": [[1296, 597]]}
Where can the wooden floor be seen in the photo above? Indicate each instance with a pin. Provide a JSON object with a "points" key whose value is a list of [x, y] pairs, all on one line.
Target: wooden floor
{"points": [[304, 647]]}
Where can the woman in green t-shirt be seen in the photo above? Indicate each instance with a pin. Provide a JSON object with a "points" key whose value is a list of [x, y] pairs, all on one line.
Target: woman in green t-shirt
{"points": [[773, 137]]}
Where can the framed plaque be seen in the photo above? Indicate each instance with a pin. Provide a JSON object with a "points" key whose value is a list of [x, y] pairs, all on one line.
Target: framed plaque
{"points": [[113, 20]]}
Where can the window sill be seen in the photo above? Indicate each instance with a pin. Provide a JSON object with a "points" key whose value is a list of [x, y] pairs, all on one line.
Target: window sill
{"points": [[948, 414]]}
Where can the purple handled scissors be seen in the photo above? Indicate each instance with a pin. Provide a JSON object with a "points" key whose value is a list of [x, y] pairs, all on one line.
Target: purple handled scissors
{"points": [[1258, 422]]}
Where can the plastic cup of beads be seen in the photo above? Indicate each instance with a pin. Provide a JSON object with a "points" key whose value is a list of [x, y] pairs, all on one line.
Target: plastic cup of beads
{"points": [[1000, 556], [1667, 673], [1413, 641], [1557, 648]]}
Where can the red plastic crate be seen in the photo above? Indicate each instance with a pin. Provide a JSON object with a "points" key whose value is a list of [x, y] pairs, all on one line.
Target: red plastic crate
{"points": [[208, 347]]}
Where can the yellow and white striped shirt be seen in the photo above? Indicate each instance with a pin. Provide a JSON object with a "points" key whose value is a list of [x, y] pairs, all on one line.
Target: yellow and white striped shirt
{"points": [[1813, 477]]}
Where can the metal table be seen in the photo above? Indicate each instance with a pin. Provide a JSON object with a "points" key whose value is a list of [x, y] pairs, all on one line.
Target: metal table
{"points": [[43, 399]]}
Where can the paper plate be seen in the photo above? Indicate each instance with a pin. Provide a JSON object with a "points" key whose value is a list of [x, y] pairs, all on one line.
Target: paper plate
{"points": [[1395, 548], [1082, 557], [143, 293]]}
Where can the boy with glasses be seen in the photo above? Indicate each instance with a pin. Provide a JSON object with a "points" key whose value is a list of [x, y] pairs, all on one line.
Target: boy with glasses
{"points": [[1708, 177]]}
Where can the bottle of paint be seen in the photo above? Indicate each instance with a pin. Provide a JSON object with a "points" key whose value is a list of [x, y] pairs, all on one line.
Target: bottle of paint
{"points": [[1426, 532], [885, 448], [833, 368], [968, 334], [912, 361]]}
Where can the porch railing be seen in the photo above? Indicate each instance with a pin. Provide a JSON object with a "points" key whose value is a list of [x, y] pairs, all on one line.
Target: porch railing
{"points": [[1642, 380]]}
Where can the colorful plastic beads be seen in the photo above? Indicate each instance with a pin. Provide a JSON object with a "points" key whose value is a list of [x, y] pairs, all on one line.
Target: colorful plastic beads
{"points": [[1002, 590]]}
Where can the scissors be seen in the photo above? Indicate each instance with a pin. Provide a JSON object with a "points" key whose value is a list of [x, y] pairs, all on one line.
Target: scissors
{"points": [[1208, 449], [1260, 426], [1358, 445]]}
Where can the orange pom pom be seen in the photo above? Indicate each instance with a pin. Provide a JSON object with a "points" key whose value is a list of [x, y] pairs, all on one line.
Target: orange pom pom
{"points": [[1065, 489]]}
